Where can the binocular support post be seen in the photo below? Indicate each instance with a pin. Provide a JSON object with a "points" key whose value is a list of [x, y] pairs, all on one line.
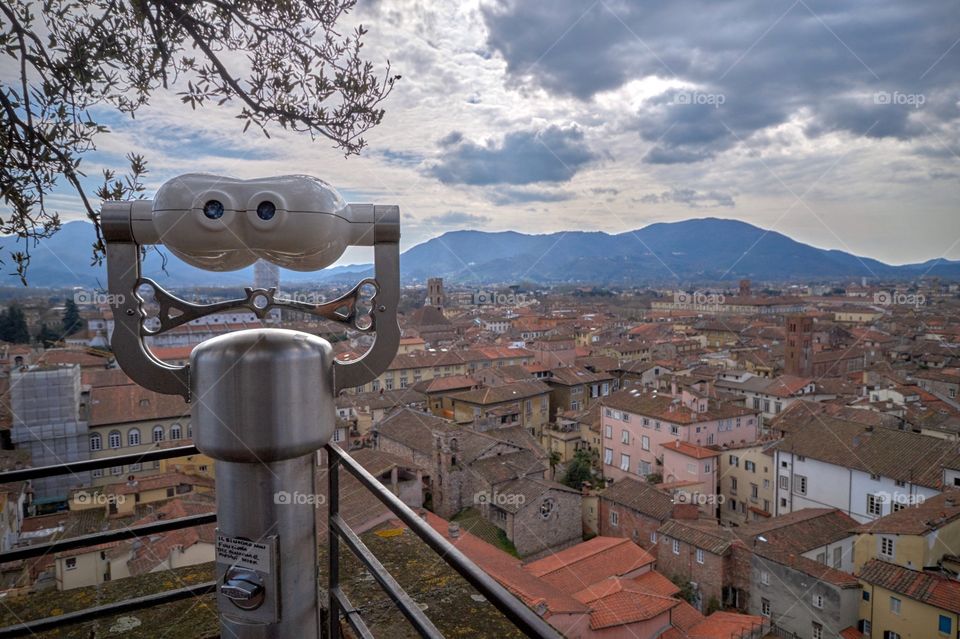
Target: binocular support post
{"points": [[263, 405]]}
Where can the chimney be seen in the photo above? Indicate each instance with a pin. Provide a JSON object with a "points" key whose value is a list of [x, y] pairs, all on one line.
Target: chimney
{"points": [[454, 530], [685, 511]]}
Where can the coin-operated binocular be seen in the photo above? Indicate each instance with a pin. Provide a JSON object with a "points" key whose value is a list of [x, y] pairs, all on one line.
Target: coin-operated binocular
{"points": [[263, 399]]}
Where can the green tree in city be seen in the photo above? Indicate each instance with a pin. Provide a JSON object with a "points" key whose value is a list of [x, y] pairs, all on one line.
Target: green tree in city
{"points": [[277, 64], [46, 336], [579, 470], [72, 322], [13, 325]]}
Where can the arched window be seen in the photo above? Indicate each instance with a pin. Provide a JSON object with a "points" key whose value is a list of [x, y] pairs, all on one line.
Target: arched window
{"points": [[158, 433], [96, 441], [133, 437], [113, 439], [175, 432]]}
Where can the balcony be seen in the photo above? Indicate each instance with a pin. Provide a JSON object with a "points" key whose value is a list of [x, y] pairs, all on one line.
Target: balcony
{"points": [[362, 617]]}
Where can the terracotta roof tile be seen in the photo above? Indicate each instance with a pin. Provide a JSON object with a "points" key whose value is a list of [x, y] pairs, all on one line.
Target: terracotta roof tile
{"points": [[589, 562], [934, 590]]}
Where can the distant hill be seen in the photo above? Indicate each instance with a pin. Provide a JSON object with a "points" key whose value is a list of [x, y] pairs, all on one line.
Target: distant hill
{"points": [[707, 249]]}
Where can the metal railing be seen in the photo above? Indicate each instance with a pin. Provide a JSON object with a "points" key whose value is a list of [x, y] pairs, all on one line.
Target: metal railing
{"points": [[339, 606], [512, 608]]}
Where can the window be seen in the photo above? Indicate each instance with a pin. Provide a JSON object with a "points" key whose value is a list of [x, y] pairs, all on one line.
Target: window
{"points": [[945, 625], [875, 477], [676, 547], [133, 437], [116, 470], [784, 482], [135, 468], [754, 491], [614, 518], [817, 601], [894, 605], [624, 462], [866, 595], [176, 432], [874, 505], [699, 555], [837, 557], [897, 506], [734, 460], [886, 547], [624, 436], [733, 485], [546, 508], [96, 473], [653, 537], [765, 607], [607, 455], [890, 634], [800, 484], [692, 468], [158, 433], [674, 429], [96, 442], [749, 465], [113, 439], [646, 422], [70, 563], [817, 631], [765, 577], [645, 443], [608, 431], [822, 558], [643, 468]]}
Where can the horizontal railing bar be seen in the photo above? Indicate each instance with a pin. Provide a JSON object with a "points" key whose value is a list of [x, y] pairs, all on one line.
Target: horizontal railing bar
{"points": [[29, 628], [107, 536], [352, 614], [521, 616], [23, 474], [394, 590]]}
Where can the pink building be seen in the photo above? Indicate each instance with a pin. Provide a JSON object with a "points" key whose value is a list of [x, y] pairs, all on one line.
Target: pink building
{"points": [[636, 425]]}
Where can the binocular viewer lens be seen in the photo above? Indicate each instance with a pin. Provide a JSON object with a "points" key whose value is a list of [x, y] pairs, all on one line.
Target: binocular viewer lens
{"points": [[213, 209], [266, 210]]}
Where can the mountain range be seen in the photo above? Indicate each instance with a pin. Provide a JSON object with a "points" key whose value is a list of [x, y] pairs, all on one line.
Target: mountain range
{"points": [[697, 250]]}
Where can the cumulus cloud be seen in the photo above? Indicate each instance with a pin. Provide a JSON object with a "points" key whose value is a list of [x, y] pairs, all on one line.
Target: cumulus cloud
{"points": [[457, 218], [885, 70], [692, 198], [552, 154], [503, 196]]}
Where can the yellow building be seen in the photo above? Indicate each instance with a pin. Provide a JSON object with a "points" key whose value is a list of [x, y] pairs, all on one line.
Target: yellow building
{"points": [[417, 366], [914, 537], [122, 499], [899, 603], [127, 418], [746, 484], [525, 403], [856, 316]]}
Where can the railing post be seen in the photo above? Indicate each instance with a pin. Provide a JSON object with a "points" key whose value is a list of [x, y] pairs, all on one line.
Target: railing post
{"points": [[333, 545], [263, 407]]}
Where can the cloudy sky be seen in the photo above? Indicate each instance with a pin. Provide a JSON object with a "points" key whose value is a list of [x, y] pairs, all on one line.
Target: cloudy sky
{"points": [[835, 122]]}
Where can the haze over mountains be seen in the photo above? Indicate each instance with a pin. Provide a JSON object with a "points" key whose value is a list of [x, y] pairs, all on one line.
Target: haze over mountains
{"points": [[698, 250]]}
